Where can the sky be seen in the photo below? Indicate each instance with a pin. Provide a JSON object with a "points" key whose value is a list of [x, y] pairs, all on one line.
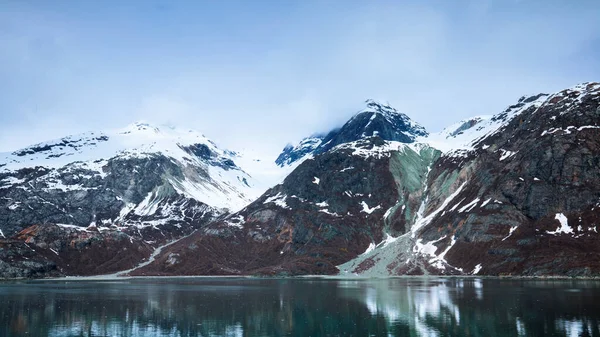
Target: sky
{"points": [[260, 74]]}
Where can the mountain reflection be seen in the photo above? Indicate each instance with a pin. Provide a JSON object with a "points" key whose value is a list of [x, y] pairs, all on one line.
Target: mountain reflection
{"points": [[300, 307]]}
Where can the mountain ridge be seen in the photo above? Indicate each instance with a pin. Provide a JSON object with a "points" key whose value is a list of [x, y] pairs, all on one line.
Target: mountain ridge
{"points": [[354, 201]]}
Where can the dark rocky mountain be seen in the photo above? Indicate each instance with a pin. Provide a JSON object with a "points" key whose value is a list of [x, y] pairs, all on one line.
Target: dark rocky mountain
{"points": [[376, 119], [523, 200], [517, 193], [520, 197], [327, 211]]}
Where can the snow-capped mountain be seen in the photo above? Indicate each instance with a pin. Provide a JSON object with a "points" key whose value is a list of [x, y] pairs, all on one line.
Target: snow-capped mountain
{"points": [[511, 193], [97, 193], [376, 119], [382, 120], [136, 175], [516, 193]]}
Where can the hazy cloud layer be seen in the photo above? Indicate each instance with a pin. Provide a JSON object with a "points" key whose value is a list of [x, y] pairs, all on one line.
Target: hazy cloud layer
{"points": [[261, 74]]}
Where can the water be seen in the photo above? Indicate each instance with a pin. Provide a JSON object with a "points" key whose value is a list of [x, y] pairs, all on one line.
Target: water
{"points": [[300, 307]]}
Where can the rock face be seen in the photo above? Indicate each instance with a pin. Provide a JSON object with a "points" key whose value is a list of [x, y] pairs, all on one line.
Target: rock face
{"points": [[516, 193], [523, 200], [326, 212], [512, 194], [330, 209], [127, 187]]}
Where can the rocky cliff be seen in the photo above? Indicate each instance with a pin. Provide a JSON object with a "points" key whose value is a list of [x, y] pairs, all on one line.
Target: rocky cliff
{"points": [[327, 211], [512, 193], [522, 200]]}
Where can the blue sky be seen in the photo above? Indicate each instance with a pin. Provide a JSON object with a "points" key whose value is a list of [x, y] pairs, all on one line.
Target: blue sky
{"points": [[263, 73]]}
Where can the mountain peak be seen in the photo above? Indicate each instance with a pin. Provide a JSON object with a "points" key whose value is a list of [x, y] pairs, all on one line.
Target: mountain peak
{"points": [[196, 166], [377, 106], [376, 120], [170, 130], [392, 116], [140, 126], [373, 106], [135, 140]]}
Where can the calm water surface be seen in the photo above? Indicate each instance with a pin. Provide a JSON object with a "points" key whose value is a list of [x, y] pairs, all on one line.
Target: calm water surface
{"points": [[300, 307]]}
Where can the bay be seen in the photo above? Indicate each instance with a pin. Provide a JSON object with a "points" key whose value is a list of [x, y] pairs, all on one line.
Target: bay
{"points": [[300, 307]]}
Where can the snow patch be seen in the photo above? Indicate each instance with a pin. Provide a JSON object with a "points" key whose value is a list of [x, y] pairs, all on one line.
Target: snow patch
{"points": [[235, 221], [10, 181], [278, 200], [68, 226], [421, 222], [381, 151], [367, 209], [468, 207], [428, 248], [568, 130], [564, 225], [506, 154], [439, 261], [326, 211], [510, 231], [387, 241], [148, 206]]}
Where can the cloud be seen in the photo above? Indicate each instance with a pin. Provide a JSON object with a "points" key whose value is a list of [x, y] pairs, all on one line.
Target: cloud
{"points": [[276, 73]]}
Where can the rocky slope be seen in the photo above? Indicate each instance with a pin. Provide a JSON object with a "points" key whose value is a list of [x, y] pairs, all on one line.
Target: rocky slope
{"points": [[327, 211], [335, 204], [512, 194], [515, 193], [522, 200], [79, 201]]}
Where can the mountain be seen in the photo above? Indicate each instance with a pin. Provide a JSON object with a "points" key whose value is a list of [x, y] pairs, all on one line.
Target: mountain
{"points": [[326, 212], [512, 194], [142, 183], [522, 199], [376, 119]]}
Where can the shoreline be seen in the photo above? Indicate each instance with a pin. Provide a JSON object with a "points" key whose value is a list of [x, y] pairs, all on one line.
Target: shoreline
{"points": [[113, 277]]}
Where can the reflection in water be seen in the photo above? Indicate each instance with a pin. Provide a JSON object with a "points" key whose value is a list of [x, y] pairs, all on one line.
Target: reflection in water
{"points": [[301, 307], [475, 307]]}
